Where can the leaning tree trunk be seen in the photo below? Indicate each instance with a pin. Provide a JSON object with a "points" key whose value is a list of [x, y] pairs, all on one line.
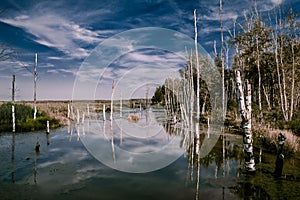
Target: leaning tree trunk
{"points": [[245, 112]]}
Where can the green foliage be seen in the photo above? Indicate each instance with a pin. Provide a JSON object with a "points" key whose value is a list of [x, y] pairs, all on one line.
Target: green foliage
{"points": [[274, 49], [293, 125], [158, 96], [24, 119], [232, 105]]}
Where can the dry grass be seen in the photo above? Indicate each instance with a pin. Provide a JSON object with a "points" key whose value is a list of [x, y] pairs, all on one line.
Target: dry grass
{"points": [[133, 117], [54, 109], [59, 109], [292, 141]]}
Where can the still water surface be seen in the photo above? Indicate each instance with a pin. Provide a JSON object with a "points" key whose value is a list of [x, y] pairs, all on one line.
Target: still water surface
{"points": [[65, 169]]}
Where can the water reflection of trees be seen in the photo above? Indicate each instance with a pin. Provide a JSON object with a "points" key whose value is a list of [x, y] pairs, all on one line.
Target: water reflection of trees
{"points": [[225, 156], [233, 150], [248, 190]]}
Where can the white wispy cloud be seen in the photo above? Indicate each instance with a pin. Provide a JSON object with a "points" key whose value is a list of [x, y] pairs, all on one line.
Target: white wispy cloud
{"points": [[277, 2], [62, 71], [215, 16], [55, 31], [161, 58], [56, 58], [16, 67]]}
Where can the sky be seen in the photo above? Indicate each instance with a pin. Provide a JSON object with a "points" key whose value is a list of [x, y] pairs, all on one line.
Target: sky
{"points": [[83, 46]]}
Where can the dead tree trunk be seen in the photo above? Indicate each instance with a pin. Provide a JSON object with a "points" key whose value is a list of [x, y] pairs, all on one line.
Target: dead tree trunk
{"points": [[13, 105], [34, 93], [112, 100], [198, 77], [245, 112], [222, 61]]}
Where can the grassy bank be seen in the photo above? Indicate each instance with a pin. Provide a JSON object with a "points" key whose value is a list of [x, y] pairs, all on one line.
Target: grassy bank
{"points": [[265, 134], [24, 119]]}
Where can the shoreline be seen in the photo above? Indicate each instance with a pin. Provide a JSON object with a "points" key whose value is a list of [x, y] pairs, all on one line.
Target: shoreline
{"points": [[59, 110]]}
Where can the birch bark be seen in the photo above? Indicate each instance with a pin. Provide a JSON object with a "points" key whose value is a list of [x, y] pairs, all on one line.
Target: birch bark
{"points": [[245, 112]]}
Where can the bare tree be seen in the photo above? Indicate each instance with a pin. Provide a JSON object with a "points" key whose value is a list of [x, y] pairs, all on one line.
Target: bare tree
{"points": [[222, 60], [13, 105], [198, 76], [34, 92], [6, 52], [293, 41]]}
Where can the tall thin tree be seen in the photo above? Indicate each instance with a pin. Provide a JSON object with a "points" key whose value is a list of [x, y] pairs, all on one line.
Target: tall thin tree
{"points": [[13, 105], [198, 76], [222, 59], [34, 93]]}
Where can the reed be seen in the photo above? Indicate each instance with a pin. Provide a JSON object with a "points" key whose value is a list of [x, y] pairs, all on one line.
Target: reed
{"points": [[267, 137]]}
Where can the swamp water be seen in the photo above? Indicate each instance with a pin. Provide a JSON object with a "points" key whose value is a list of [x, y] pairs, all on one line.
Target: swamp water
{"points": [[68, 166]]}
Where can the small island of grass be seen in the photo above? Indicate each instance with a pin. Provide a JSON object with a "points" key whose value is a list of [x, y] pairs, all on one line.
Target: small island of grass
{"points": [[24, 119]]}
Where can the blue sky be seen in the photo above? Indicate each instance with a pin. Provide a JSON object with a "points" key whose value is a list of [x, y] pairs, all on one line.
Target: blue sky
{"points": [[65, 33]]}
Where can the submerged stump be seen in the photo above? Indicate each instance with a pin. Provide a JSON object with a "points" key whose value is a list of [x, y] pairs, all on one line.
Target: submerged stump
{"points": [[280, 156]]}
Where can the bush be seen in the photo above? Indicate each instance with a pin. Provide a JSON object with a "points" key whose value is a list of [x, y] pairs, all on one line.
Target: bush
{"points": [[294, 126]]}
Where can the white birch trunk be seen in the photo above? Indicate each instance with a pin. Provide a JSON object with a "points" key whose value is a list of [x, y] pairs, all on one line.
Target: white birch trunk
{"points": [[284, 85], [267, 98], [293, 82], [103, 111], [275, 43], [259, 80], [283, 72], [245, 112]]}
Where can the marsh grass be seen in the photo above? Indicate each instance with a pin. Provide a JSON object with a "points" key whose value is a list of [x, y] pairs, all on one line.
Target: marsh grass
{"points": [[24, 119], [267, 138]]}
